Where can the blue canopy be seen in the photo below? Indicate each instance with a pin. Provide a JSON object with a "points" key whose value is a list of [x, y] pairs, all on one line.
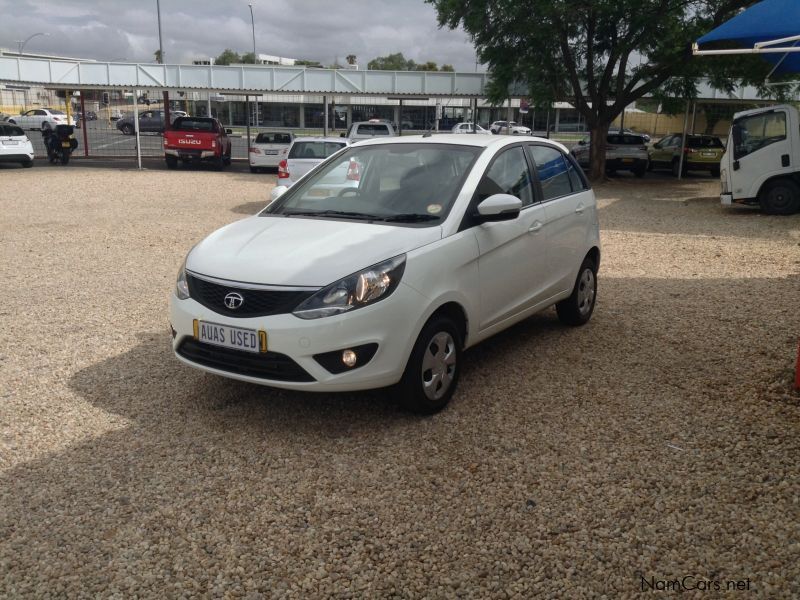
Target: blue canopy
{"points": [[763, 22]]}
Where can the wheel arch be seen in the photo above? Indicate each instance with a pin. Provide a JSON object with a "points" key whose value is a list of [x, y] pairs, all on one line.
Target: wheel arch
{"points": [[793, 177], [594, 254], [455, 312]]}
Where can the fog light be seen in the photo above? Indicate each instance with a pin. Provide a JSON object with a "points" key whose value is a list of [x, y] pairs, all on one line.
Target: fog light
{"points": [[349, 358]]}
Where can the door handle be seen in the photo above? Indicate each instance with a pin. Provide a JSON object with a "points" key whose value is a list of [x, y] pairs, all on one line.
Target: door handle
{"points": [[537, 225], [579, 209]]}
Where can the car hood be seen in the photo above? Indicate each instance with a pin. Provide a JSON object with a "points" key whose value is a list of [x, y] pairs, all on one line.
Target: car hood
{"points": [[296, 251]]}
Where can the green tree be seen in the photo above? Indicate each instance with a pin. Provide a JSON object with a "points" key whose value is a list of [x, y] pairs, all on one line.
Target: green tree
{"points": [[228, 57], [157, 55], [427, 66], [448, 68], [601, 55], [390, 62], [248, 58], [308, 63]]}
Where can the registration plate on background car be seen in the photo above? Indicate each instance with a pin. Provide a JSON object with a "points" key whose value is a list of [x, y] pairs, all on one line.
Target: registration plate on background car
{"points": [[10, 143], [270, 152], [708, 154], [237, 338]]}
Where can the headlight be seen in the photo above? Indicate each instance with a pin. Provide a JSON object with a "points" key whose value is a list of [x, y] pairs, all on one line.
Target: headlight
{"points": [[181, 285], [354, 291]]}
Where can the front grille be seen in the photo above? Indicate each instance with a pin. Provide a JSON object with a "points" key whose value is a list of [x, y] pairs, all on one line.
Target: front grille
{"points": [[266, 365], [257, 303]]}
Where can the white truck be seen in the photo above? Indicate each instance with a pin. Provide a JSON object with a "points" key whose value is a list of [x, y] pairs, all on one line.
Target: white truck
{"points": [[761, 164]]}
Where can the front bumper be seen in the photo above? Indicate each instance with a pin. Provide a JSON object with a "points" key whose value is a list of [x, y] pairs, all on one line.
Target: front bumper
{"points": [[392, 323]]}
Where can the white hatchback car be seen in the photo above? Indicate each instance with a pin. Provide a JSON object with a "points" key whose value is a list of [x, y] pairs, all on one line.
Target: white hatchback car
{"points": [[15, 147], [467, 128], [444, 241], [268, 149], [303, 155]]}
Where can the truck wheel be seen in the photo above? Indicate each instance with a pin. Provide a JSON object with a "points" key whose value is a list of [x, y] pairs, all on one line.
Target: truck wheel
{"points": [[172, 162], [127, 129], [715, 172], [227, 160], [780, 197], [219, 163]]}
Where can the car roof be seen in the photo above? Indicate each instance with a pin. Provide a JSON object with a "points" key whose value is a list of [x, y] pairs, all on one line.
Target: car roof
{"points": [[338, 140], [462, 140]]}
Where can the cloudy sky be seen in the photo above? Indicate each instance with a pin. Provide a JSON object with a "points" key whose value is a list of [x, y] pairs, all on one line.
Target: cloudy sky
{"points": [[320, 30]]}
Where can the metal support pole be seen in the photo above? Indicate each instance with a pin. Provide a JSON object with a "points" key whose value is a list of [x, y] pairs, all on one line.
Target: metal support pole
{"points": [[474, 104], [683, 141], [400, 119], [325, 120], [547, 124], [167, 120], [247, 121], [85, 124], [136, 126], [67, 99], [160, 45], [208, 104], [694, 114]]}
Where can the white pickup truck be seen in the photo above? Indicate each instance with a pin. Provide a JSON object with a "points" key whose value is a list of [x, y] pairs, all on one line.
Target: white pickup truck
{"points": [[761, 164]]}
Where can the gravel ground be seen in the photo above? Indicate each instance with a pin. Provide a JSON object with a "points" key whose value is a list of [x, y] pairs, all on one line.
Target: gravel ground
{"points": [[657, 442]]}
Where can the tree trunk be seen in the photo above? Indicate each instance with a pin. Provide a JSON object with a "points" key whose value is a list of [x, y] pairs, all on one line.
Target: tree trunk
{"points": [[597, 151]]}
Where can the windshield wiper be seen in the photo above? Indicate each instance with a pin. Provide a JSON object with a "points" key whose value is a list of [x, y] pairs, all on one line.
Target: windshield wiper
{"points": [[410, 218], [329, 213]]}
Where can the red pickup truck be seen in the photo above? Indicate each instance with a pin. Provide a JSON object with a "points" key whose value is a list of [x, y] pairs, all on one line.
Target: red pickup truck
{"points": [[191, 139]]}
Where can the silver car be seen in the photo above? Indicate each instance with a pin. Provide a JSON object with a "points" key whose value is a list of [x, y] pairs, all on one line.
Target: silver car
{"points": [[624, 152]]}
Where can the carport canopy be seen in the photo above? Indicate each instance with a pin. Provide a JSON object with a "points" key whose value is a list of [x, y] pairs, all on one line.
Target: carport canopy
{"points": [[770, 29]]}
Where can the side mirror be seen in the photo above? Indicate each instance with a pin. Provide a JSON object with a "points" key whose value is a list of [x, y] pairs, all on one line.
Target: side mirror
{"points": [[228, 131], [499, 207], [277, 192]]}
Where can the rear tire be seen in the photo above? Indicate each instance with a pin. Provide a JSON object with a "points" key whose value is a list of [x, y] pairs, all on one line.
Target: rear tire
{"points": [[578, 308], [27, 164], [64, 157], [640, 172], [46, 126], [219, 163], [780, 197], [431, 375], [227, 160], [255, 170], [127, 129], [172, 162]]}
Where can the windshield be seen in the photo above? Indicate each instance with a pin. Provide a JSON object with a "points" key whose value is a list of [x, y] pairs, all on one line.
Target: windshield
{"points": [[317, 150], [412, 183], [192, 124]]}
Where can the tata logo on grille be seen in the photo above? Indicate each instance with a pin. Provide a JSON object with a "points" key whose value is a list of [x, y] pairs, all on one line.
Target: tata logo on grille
{"points": [[234, 300]]}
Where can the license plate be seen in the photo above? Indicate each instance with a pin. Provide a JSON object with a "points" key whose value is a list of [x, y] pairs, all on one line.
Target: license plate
{"points": [[236, 338], [65, 144], [271, 152], [11, 143], [708, 154], [627, 160]]}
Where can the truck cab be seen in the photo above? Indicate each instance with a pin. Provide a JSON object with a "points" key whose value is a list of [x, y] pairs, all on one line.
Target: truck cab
{"points": [[761, 164]]}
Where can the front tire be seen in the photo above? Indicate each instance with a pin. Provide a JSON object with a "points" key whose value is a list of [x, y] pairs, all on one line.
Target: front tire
{"points": [[578, 308], [431, 374], [781, 197], [46, 126]]}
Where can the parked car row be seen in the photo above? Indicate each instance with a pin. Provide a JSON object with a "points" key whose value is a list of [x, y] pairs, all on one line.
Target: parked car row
{"points": [[41, 118], [629, 151]]}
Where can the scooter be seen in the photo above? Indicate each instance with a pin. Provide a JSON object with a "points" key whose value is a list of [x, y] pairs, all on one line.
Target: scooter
{"points": [[59, 143]]}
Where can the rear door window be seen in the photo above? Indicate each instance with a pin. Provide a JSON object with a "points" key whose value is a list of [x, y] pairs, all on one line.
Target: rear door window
{"points": [[11, 130], [193, 124], [551, 167]]}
